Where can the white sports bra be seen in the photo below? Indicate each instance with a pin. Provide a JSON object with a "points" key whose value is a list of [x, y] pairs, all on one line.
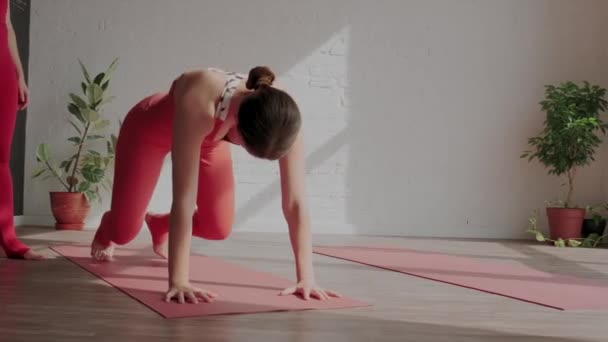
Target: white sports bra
{"points": [[221, 112]]}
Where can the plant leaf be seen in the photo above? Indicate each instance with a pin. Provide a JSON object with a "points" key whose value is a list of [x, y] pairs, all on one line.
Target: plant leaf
{"points": [[75, 140], [99, 78], [540, 237], [101, 125], [110, 70], [84, 87], [82, 104], [57, 171], [43, 153], [114, 141], [574, 243], [94, 116], [72, 108], [91, 195], [95, 137], [97, 160], [84, 186], [92, 173], [63, 164], [68, 165], [587, 243], [90, 115], [106, 100], [94, 93], [38, 172], [84, 71]]}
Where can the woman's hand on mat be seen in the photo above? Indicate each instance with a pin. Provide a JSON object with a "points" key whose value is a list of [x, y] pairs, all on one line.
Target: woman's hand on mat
{"points": [[309, 288], [186, 293]]}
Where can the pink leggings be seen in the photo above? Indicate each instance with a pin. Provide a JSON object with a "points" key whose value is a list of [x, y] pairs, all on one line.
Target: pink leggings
{"points": [[8, 114], [143, 143]]}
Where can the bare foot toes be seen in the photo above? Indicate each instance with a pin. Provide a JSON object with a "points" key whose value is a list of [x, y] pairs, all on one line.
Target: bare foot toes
{"points": [[100, 252], [31, 255]]}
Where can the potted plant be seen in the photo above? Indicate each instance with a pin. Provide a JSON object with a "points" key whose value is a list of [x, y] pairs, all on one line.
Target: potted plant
{"points": [[590, 241], [82, 174], [595, 222], [568, 142]]}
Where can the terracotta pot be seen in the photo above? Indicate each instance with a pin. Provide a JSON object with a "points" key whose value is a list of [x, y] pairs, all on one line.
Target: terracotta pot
{"points": [[565, 223], [70, 210]]}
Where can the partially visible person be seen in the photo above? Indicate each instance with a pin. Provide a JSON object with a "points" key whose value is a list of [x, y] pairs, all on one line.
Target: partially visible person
{"points": [[13, 97]]}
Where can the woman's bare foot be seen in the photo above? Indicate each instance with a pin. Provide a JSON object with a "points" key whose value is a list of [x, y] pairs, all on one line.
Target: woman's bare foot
{"points": [[162, 249], [102, 252], [159, 228], [31, 255]]}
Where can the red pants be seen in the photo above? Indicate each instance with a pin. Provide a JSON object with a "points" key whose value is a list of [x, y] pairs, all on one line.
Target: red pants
{"points": [[8, 114], [143, 143]]}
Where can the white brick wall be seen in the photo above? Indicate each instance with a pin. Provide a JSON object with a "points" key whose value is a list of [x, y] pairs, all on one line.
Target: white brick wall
{"points": [[415, 111]]}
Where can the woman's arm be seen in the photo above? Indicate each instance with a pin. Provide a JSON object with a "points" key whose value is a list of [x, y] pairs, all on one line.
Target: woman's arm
{"points": [[296, 214], [193, 120], [295, 210], [12, 45]]}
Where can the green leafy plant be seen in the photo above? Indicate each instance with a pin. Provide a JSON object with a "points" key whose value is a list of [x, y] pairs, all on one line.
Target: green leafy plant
{"points": [[593, 240], [572, 130], [597, 212], [86, 169]]}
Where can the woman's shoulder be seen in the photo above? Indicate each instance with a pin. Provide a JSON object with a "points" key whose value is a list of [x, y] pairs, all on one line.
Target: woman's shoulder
{"points": [[198, 79], [199, 76]]}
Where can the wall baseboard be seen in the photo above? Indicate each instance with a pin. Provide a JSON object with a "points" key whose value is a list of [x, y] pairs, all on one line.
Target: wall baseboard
{"points": [[34, 221]]}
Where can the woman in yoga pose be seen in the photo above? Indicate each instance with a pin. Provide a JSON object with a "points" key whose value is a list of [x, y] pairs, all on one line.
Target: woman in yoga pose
{"points": [[13, 96], [204, 112]]}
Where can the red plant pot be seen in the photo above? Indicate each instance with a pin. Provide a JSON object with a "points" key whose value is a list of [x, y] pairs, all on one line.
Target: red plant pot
{"points": [[70, 210], [565, 223]]}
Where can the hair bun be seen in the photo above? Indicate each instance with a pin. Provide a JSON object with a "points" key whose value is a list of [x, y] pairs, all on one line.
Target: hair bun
{"points": [[260, 76]]}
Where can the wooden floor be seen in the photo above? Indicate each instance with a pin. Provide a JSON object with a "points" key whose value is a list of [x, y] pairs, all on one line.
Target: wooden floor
{"points": [[57, 301]]}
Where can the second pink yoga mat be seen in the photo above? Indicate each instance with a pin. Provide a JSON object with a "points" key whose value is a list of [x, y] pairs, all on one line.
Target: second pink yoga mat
{"points": [[519, 282], [241, 290]]}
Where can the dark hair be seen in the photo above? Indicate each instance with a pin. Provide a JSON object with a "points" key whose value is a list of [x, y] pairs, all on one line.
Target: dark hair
{"points": [[268, 118]]}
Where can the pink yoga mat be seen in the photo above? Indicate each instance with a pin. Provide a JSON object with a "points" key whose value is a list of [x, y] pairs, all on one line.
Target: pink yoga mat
{"points": [[517, 282], [241, 290]]}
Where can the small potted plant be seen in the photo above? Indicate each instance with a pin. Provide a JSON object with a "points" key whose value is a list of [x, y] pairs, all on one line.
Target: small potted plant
{"points": [[592, 240], [595, 223], [568, 142], [82, 174]]}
